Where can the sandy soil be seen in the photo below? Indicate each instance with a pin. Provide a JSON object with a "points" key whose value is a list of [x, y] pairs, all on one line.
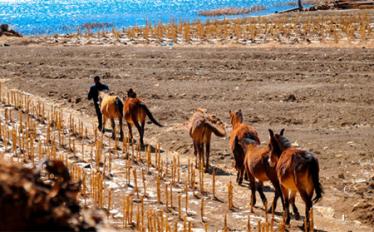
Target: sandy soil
{"points": [[331, 112]]}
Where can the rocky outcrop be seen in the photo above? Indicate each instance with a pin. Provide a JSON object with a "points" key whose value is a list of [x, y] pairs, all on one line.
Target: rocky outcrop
{"points": [[6, 31]]}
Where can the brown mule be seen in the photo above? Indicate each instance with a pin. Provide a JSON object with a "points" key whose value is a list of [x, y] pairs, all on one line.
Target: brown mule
{"points": [[111, 107], [240, 132], [257, 167], [135, 114], [297, 171], [201, 126]]}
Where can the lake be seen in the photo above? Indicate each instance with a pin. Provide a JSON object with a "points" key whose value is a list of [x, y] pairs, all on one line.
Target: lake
{"points": [[40, 17]]}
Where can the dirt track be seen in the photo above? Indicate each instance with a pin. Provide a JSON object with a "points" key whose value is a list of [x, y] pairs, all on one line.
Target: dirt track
{"points": [[323, 97]]}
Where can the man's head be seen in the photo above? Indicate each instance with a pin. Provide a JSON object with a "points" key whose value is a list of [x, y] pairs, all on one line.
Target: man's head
{"points": [[96, 79]]}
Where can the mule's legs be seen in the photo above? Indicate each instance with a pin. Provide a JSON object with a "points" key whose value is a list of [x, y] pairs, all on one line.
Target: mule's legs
{"points": [[286, 213], [238, 154], [260, 190], [134, 119], [120, 128], [201, 155], [277, 192], [273, 205], [294, 208], [113, 128], [308, 205], [252, 185], [207, 154], [104, 122], [130, 132], [241, 172], [196, 152]]}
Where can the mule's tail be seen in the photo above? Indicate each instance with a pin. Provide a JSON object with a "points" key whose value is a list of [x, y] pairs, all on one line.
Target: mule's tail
{"points": [[314, 169], [149, 114], [119, 105]]}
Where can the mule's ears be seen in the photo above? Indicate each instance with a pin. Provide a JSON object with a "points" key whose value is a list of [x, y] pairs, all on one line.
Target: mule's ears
{"points": [[281, 132], [271, 132]]}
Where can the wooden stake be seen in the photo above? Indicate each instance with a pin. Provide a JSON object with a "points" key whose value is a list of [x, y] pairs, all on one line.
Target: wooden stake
{"points": [[144, 183], [124, 210], [187, 203], [110, 197], [171, 196], [166, 197], [179, 206], [202, 209], [249, 223], [201, 178], [136, 190], [158, 189], [185, 224], [230, 195], [214, 184], [266, 212], [138, 223], [272, 218], [179, 170]]}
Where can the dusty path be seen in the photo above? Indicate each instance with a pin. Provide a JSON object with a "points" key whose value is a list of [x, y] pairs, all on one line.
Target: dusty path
{"points": [[331, 114]]}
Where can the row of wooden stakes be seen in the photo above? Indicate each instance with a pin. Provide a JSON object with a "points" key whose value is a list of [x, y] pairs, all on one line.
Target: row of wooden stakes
{"points": [[23, 135]]}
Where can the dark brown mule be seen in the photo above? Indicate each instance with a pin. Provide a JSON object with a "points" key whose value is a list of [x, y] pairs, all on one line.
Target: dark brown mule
{"points": [[201, 126], [135, 114], [297, 171], [240, 131], [257, 167]]}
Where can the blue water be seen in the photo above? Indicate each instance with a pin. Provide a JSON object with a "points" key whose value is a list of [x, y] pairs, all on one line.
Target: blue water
{"points": [[37, 17]]}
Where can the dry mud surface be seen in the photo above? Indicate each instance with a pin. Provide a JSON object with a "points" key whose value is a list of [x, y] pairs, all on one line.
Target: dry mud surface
{"points": [[323, 97]]}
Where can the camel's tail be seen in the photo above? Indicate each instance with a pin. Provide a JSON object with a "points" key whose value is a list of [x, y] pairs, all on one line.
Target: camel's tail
{"points": [[149, 114]]}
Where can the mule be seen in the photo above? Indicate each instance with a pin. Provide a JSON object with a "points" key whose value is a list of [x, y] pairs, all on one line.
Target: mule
{"points": [[297, 171], [257, 168], [111, 107], [240, 132], [201, 126], [136, 112]]}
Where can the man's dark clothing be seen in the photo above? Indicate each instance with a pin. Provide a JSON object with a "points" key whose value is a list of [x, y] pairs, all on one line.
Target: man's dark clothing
{"points": [[94, 94]]}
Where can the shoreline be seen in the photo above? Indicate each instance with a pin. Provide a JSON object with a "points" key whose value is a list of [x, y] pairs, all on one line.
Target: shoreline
{"points": [[328, 28]]}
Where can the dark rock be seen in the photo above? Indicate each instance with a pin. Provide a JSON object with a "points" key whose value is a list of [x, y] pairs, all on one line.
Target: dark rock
{"points": [[4, 30], [290, 98]]}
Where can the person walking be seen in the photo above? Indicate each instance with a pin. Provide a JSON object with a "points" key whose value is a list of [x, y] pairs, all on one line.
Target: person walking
{"points": [[94, 95]]}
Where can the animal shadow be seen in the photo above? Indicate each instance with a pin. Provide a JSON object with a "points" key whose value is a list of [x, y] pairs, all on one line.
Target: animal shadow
{"points": [[219, 171]]}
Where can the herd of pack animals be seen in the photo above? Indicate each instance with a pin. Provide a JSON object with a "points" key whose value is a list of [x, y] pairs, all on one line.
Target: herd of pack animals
{"points": [[289, 168]]}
